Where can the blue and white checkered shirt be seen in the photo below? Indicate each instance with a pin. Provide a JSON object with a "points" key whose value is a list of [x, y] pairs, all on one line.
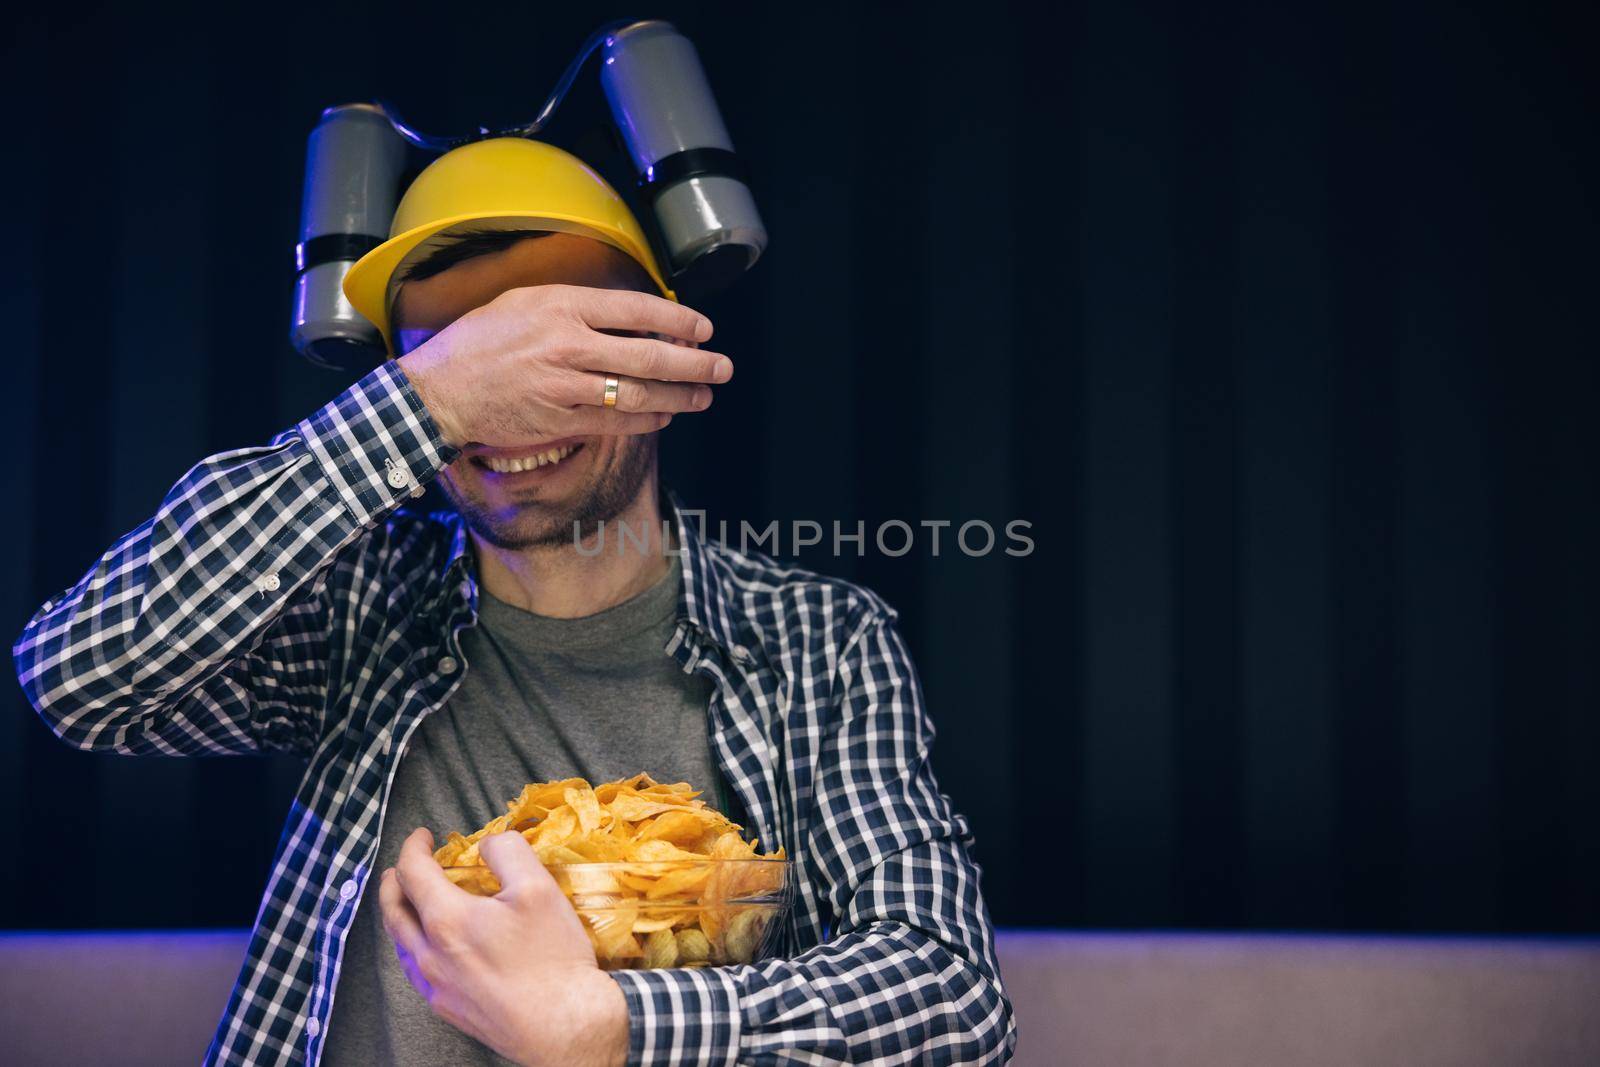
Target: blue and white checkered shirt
{"points": [[280, 599]]}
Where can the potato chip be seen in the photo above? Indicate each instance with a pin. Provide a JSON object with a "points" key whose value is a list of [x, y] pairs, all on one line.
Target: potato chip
{"points": [[638, 882], [558, 829], [599, 847], [660, 949], [454, 845], [713, 921], [608, 792], [546, 795], [730, 846], [662, 794], [581, 800], [479, 880], [679, 883], [692, 945], [560, 854], [648, 923], [467, 855], [632, 807], [612, 930], [584, 878], [656, 851], [744, 934], [682, 827]]}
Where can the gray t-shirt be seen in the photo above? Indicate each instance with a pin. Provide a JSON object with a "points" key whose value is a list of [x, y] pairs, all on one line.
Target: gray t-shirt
{"points": [[542, 699]]}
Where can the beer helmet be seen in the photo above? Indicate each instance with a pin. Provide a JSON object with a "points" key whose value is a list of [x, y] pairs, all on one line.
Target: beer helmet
{"points": [[701, 228]]}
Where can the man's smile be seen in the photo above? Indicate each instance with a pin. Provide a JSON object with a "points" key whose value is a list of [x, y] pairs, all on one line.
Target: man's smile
{"points": [[541, 458]]}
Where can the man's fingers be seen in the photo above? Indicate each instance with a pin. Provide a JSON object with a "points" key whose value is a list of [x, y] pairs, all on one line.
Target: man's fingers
{"points": [[670, 397], [646, 357], [513, 862], [408, 964], [430, 892], [636, 395], [400, 920], [625, 309], [404, 929]]}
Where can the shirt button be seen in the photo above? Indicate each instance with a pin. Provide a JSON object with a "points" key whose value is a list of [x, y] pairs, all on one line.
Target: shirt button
{"points": [[313, 1026], [271, 582], [398, 478], [348, 890], [448, 665], [48, 605]]}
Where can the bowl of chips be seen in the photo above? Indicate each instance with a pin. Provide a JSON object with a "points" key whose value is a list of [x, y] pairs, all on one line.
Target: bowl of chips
{"points": [[658, 877]]}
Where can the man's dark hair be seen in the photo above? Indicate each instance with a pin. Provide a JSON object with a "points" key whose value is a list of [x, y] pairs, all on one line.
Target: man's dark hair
{"points": [[467, 245], [473, 243]]}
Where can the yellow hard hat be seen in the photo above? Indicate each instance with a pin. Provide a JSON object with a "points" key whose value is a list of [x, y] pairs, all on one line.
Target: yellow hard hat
{"points": [[506, 180]]}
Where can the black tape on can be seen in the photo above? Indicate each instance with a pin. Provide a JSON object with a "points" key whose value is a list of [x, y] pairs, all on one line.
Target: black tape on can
{"points": [[690, 163], [331, 247]]}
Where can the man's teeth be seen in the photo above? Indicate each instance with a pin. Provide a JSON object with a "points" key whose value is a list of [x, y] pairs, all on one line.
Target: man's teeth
{"points": [[546, 458]]}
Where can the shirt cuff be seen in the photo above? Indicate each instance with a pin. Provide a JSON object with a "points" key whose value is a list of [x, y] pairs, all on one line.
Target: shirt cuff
{"points": [[377, 442], [681, 1015]]}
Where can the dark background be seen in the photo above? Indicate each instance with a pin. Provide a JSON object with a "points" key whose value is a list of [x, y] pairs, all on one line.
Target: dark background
{"points": [[1275, 320]]}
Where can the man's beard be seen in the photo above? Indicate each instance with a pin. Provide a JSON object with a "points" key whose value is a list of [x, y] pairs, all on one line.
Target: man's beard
{"points": [[542, 525]]}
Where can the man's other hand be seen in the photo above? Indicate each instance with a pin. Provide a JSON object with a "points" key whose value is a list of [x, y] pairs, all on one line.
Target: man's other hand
{"points": [[516, 970]]}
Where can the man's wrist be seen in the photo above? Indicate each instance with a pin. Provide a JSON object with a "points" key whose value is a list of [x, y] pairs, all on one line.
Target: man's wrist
{"points": [[591, 1013], [414, 365], [611, 1025]]}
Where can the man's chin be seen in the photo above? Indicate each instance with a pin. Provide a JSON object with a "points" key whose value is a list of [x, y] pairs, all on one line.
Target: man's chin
{"points": [[522, 528]]}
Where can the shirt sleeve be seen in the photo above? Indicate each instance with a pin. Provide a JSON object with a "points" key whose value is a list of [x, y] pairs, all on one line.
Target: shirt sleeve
{"points": [[206, 629], [909, 975]]}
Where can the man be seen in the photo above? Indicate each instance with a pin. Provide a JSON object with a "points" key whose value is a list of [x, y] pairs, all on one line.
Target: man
{"points": [[427, 666]]}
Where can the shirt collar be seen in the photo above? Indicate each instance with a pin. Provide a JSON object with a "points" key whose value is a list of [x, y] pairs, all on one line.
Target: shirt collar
{"points": [[704, 598], [458, 561], [704, 594]]}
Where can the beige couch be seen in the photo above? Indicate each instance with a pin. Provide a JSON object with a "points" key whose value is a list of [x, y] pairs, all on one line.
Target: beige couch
{"points": [[1081, 999], [1165, 999]]}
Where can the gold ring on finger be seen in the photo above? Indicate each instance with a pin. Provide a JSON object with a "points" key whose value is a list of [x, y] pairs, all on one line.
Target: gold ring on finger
{"points": [[610, 400]]}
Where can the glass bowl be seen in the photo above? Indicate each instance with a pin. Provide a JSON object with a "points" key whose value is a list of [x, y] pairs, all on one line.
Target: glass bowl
{"points": [[668, 913]]}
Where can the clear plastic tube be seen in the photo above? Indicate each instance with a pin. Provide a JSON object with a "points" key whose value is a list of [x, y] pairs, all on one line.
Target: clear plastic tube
{"points": [[443, 144]]}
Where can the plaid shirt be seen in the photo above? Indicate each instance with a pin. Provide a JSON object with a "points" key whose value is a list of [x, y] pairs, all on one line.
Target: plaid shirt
{"points": [[280, 599]]}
